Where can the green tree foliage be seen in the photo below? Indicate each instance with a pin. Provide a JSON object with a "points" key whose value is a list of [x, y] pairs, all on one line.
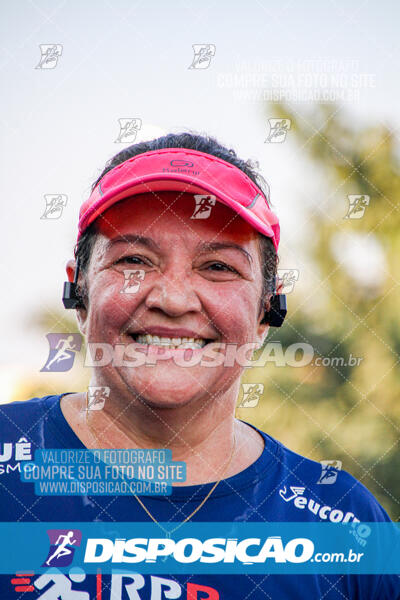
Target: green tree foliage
{"points": [[350, 413]]}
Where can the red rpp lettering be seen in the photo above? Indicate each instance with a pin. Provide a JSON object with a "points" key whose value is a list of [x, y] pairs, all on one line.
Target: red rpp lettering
{"points": [[194, 588]]}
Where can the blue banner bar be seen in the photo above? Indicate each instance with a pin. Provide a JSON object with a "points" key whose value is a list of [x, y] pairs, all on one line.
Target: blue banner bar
{"points": [[213, 548]]}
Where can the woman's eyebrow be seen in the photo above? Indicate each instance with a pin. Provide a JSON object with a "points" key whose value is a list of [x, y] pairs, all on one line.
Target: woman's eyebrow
{"points": [[212, 246], [202, 247], [133, 239]]}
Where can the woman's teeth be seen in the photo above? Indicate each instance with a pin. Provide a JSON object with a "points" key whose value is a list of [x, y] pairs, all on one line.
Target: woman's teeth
{"points": [[166, 342]]}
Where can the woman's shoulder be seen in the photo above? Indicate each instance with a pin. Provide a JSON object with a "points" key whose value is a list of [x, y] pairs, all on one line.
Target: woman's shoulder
{"points": [[24, 417], [22, 408], [324, 487]]}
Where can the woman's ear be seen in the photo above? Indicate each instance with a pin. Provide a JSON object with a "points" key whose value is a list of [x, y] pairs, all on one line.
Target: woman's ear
{"points": [[71, 268], [262, 333], [263, 327], [81, 312]]}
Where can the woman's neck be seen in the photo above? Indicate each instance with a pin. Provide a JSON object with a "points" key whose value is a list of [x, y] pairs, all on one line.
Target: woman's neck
{"points": [[204, 440]]}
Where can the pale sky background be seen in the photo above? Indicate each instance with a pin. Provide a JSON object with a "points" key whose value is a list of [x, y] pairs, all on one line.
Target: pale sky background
{"points": [[130, 59]]}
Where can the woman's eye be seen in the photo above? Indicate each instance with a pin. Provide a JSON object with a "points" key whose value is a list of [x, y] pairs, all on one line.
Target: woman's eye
{"points": [[132, 260], [221, 267]]}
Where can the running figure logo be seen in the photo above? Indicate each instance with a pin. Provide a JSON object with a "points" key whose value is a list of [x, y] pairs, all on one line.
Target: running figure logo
{"points": [[203, 207], [203, 54], [329, 471], [62, 547], [251, 394], [278, 129], [128, 129], [63, 347], [286, 280], [357, 205], [133, 277], [97, 396], [55, 204], [50, 54]]}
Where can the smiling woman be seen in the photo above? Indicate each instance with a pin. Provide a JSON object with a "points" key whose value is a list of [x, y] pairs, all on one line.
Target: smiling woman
{"points": [[176, 262], [208, 272]]}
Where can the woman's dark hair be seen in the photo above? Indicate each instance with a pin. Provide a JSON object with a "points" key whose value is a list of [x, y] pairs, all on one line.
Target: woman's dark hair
{"points": [[269, 257]]}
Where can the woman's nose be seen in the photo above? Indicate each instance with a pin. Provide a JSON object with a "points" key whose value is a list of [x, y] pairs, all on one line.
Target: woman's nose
{"points": [[173, 293]]}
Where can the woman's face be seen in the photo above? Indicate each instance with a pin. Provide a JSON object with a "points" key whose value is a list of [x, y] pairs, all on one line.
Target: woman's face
{"points": [[197, 278]]}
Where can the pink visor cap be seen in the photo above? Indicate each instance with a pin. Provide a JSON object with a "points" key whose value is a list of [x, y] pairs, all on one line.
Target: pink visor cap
{"points": [[180, 169]]}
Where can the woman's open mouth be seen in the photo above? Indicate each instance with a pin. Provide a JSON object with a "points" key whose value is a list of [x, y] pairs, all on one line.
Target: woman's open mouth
{"points": [[171, 343]]}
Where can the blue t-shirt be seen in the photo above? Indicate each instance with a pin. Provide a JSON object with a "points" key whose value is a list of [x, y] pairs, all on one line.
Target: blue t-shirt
{"points": [[280, 486]]}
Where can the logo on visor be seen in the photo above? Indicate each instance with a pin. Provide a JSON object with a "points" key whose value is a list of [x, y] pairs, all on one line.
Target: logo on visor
{"points": [[181, 163]]}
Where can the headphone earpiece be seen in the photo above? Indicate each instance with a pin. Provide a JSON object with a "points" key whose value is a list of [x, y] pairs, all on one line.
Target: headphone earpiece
{"points": [[278, 309], [277, 312], [71, 297], [71, 293]]}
